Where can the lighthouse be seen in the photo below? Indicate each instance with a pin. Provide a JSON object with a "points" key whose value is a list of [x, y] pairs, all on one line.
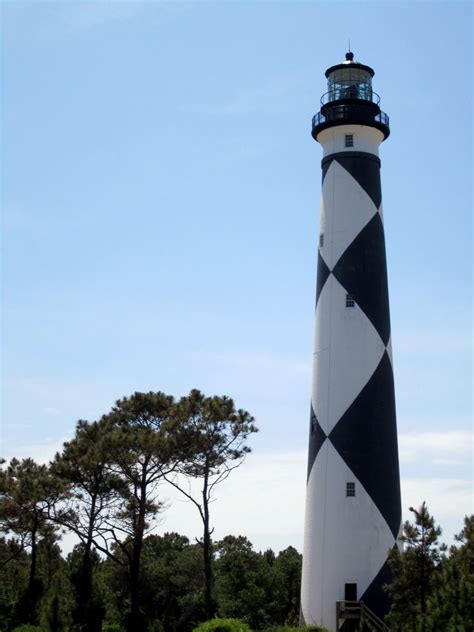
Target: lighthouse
{"points": [[353, 506]]}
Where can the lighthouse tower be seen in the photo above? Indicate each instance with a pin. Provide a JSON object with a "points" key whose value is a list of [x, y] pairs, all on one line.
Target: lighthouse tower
{"points": [[353, 508]]}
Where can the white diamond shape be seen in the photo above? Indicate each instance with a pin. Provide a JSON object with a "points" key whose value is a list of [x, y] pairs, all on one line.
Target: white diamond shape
{"points": [[345, 210], [347, 350]]}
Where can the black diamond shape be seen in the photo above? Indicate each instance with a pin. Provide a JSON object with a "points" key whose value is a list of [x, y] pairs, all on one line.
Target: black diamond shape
{"points": [[323, 273], [366, 438], [325, 164], [375, 596], [362, 271], [366, 171], [317, 437]]}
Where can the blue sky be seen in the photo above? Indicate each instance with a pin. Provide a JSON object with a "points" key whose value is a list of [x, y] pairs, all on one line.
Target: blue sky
{"points": [[160, 202]]}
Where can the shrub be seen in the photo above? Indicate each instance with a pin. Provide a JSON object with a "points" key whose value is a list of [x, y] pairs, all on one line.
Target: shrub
{"points": [[111, 627], [27, 628], [223, 625]]}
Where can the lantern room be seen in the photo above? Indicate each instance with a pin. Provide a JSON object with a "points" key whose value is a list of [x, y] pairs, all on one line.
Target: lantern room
{"points": [[349, 80], [350, 99]]}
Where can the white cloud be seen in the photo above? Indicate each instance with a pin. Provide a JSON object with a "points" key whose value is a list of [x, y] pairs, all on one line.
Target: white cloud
{"points": [[41, 451], [448, 500], [263, 363], [440, 448], [425, 344], [264, 499]]}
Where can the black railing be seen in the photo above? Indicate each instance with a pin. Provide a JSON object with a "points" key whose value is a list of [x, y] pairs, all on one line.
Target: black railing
{"points": [[350, 92], [346, 112], [382, 118], [318, 119]]}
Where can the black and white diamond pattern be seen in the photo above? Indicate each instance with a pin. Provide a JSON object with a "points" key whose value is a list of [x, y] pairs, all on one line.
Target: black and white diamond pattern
{"points": [[347, 352], [342, 224], [353, 425]]}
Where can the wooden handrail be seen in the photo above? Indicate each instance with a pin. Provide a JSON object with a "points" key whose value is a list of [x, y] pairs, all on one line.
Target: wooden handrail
{"points": [[358, 610]]}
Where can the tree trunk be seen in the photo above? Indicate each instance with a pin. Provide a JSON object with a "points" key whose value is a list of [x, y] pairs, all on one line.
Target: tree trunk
{"points": [[34, 546], [27, 605], [88, 613], [135, 621], [209, 603]]}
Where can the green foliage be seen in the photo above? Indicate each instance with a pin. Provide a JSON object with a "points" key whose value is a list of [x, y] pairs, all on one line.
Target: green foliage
{"points": [[451, 604], [216, 434], [104, 487], [27, 493], [28, 628], [56, 606], [144, 449], [259, 588], [88, 609], [287, 586], [414, 571], [85, 466], [111, 627], [14, 570], [243, 582], [223, 625]]}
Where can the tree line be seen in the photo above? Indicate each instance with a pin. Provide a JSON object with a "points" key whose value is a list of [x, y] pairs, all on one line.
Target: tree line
{"points": [[260, 587], [104, 487]]}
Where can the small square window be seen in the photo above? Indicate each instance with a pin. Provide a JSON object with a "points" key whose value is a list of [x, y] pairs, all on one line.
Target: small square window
{"points": [[350, 489], [321, 240], [349, 140], [350, 301]]}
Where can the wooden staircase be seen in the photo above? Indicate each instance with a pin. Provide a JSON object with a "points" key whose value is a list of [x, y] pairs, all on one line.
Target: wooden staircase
{"points": [[358, 611]]}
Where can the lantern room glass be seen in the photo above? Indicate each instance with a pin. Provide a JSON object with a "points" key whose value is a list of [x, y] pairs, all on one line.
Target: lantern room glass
{"points": [[349, 83]]}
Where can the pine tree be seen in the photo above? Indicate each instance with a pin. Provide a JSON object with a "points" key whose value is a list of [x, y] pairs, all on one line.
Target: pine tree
{"points": [[214, 433], [144, 449], [56, 606], [451, 605], [28, 492], [414, 570], [84, 464]]}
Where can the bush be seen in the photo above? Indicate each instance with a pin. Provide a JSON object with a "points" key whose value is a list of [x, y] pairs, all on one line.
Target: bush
{"points": [[27, 628], [223, 625], [111, 627]]}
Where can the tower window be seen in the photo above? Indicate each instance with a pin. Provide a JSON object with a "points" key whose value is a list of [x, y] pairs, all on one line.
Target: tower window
{"points": [[350, 301], [349, 140], [350, 489], [321, 240]]}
